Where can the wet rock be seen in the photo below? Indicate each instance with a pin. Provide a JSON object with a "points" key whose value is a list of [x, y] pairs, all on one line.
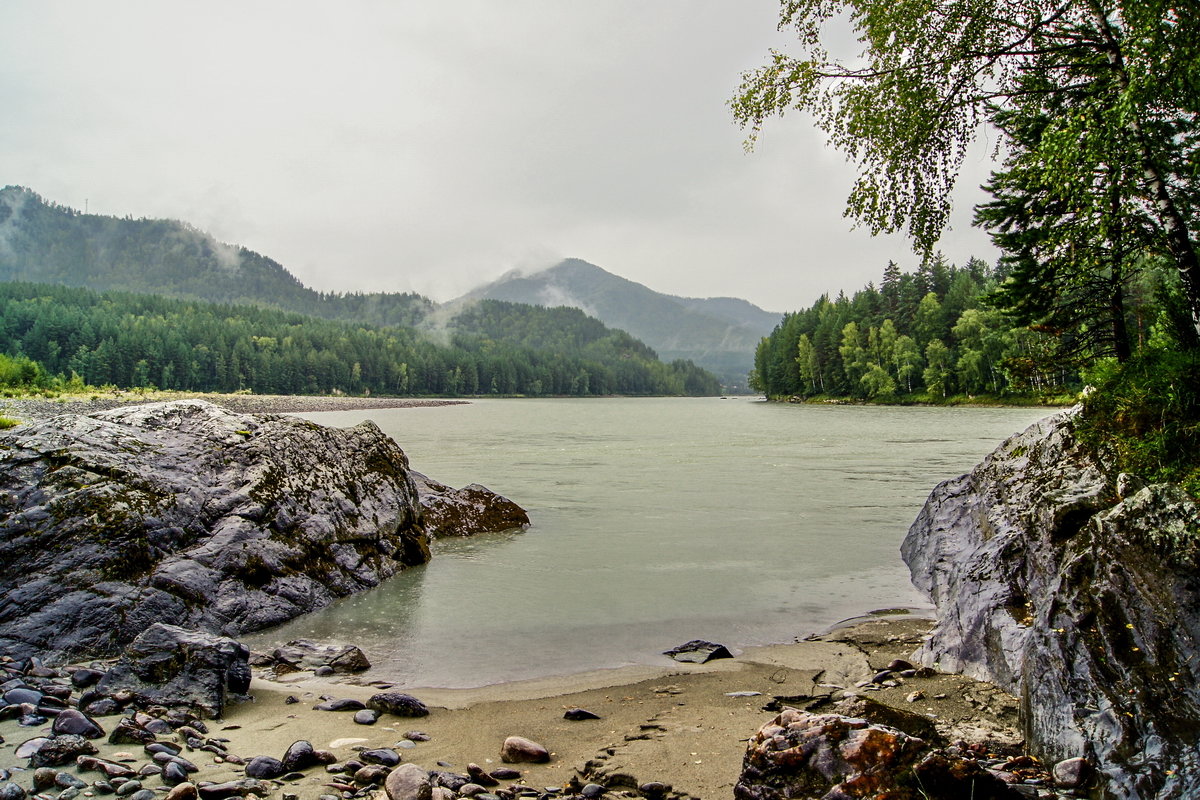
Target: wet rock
{"points": [[30, 746], [371, 774], [110, 769], [592, 790], [303, 654], [129, 731], [505, 774], [480, 776], [408, 782], [343, 704], [578, 714], [467, 511], [1073, 773], [449, 780], [1070, 597], [58, 750], [300, 755], [12, 791], [519, 750], [264, 767], [214, 520], [173, 773], [84, 678], [20, 695], [654, 790], [70, 721], [223, 791], [171, 666], [417, 736], [398, 704], [183, 791], [698, 651], [385, 756]]}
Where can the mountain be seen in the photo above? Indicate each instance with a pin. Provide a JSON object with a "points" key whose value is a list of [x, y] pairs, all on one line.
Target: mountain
{"points": [[500, 348], [45, 242], [719, 333]]}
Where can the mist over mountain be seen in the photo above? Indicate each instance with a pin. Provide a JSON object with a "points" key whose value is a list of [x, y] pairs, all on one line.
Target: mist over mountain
{"points": [[44, 242], [719, 334]]}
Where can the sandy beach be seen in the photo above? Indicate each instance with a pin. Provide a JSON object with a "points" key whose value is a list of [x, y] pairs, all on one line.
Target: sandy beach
{"points": [[684, 725]]}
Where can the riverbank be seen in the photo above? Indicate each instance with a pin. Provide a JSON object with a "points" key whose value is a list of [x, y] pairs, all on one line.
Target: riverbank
{"points": [[25, 409], [685, 725]]}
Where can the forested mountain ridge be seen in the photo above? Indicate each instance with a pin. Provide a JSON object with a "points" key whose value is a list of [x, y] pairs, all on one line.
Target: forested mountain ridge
{"points": [[140, 340], [719, 334], [49, 243]]}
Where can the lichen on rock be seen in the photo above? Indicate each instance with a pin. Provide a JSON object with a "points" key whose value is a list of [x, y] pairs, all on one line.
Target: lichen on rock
{"points": [[1076, 592], [187, 512]]}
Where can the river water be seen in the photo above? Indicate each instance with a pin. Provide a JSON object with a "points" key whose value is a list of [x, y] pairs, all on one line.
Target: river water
{"points": [[655, 521]]}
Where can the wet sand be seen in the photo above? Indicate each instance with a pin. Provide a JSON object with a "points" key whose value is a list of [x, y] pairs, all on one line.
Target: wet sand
{"points": [[683, 725]]}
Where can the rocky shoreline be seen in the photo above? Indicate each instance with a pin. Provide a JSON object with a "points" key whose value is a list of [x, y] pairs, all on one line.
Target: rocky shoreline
{"points": [[27, 409], [678, 732]]}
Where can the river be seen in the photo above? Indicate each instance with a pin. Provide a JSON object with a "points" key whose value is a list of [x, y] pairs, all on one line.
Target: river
{"points": [[655, 521]]}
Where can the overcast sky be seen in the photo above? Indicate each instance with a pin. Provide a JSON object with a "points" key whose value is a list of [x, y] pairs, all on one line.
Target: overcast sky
{"points": [[431, 146]]}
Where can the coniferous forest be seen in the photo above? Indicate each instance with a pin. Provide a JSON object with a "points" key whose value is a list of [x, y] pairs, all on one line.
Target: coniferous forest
{"points": [[131, 340]]}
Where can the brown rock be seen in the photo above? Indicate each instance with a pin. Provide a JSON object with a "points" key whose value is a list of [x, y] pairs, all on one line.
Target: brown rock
{"points": [[519, 750], [408, 782]]}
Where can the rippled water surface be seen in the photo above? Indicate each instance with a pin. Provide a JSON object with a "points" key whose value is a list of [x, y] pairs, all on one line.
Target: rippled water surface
{"points": [[655, 521]]}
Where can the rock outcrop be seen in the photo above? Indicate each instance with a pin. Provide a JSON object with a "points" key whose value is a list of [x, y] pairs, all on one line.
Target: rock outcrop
{"points": [[190, 513], [172, 667], [1079, 593], [467, 511]]}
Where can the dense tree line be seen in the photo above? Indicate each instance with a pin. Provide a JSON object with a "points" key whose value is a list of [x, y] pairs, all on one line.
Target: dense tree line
{"points": [[130, 340]]}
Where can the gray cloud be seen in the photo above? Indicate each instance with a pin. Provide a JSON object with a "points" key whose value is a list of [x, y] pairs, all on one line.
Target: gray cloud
{"points": [[428, 147]]}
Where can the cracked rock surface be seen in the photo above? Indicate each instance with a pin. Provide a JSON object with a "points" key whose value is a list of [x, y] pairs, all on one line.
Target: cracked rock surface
{"points": [[189, 513]]}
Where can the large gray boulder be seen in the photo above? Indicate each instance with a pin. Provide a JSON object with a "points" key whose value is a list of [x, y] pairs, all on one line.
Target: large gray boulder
{"points": [[190, 513], [1077, 592]]}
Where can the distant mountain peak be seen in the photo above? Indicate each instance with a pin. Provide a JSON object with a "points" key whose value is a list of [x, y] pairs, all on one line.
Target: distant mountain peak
{"points": [[719, 334]]}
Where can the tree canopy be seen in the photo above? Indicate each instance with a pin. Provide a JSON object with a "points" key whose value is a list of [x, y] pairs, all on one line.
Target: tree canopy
{"points": [[1116, 84]]}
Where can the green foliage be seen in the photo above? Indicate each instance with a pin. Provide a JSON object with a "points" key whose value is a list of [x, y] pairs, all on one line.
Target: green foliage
{"points": [[900, 344], [1144, 415], [8, 422], [1106, 96], [146, 341]]}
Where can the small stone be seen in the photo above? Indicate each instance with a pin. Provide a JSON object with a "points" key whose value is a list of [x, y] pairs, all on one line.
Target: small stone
{"points": [[898, 665], [70, 721], [408, 782], [1073, 773], [381, 755], [371, 774], [174, 773], [265, 767], [67, 781], [480, 776], [397, 704], [880, 677], [84, 678], [592, 790], [366, 716], [61, 750], [417, 736], [913, 697], [300, 755], [578, 714], [12, 791], [519, 750], [128, 788], [654, 791], [505, 774], [698, 651], [470, 790], [346, 704]]}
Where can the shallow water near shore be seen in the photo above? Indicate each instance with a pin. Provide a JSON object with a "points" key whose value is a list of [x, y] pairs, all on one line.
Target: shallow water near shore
{"points": [[655, 521]]}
